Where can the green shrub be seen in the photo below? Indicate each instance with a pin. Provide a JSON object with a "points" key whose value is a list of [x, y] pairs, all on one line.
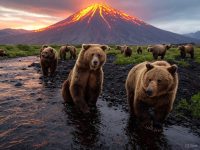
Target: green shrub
{"points": [[192, 107]]}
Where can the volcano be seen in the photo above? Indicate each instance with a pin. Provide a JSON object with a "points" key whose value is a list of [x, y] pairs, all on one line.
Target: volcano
{"points": [[98, 23]]}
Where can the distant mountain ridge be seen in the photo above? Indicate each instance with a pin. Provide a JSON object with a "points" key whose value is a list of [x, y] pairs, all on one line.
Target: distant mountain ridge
{"points": [[193, 35], [98, 23], [9, 31]]}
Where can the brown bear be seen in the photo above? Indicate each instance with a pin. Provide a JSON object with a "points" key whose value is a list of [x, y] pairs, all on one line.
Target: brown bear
{"points": [[152, 85], [84, 83], [121, 48], [42, 48], [127, 51], [65, 49], [3, 53], [158, 50], [186, 49], [48, 61], [139, 50]]}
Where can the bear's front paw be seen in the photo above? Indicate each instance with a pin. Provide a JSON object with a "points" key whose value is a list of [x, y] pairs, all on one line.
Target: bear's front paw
{"points": [[147, 125], [85, 110], [157, 127]]}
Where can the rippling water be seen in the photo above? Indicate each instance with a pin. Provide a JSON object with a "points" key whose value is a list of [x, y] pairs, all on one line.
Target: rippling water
{"points": [[32, 116]]}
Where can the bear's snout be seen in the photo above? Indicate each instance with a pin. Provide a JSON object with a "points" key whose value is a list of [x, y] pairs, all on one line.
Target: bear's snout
{"points": [[149, 92], [95, 62]]}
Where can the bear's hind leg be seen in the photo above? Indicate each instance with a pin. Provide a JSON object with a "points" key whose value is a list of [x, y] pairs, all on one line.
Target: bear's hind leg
{"points": [[65, 92]]}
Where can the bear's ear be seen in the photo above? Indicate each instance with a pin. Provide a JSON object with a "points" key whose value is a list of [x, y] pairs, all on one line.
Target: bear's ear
{"points": [[51, 50], [86, 46], [149, 66], [104, 47], [172, 69]]}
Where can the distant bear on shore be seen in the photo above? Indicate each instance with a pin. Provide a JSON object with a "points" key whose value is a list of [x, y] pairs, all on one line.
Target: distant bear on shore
{"points": [[187, 49], [152, 85], [139, 50], [84, 83], [48, 61], [3, 53], [126, 50], [65, 49], [158, 50]]}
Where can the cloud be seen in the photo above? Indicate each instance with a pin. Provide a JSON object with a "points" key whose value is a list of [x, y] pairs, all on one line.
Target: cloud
{"points": [[165, 14]]}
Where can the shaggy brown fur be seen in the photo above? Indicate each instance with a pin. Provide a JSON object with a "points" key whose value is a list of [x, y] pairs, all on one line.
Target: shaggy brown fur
{"points": [[65, 49], [42, 48], [139, 50], [158, 50], [84, 83], [152, 85], [48, 61], [187, 49], [127, 51], [2, 53]]}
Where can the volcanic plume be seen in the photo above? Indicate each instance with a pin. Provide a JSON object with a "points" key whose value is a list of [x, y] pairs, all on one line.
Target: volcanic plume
{"points": [[99, 23]]}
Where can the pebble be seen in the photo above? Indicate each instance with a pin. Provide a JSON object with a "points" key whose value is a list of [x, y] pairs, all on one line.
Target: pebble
{"points": [[18, 84]]}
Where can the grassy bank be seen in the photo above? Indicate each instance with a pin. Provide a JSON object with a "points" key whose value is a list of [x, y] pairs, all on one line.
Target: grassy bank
{"points": [[171, 55], [190, 107]]}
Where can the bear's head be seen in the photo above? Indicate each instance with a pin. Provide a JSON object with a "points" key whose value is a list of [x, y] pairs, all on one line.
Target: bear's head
{"points": [[168, 47], [48, 53], [181, 48], [158, 79], [94, 55]]}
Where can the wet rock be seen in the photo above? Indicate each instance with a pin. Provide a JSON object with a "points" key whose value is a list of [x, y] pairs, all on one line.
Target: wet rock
{"points": [[34, 64], [24, 68], [39, 99], [18, 84]]}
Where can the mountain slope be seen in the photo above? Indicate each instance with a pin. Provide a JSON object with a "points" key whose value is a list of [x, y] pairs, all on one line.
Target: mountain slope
{"points": [[193, 35], [99, 23], [8, 32]]}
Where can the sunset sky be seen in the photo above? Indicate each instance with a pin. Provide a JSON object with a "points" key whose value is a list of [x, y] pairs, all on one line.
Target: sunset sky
{"points": [[180, 16]]}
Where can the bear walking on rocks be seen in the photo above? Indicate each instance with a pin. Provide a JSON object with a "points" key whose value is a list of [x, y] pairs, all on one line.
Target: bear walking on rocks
{"points": [[48, 61], [152, 85], [139, 50], [158, 50], [186, 49], [3, 53], [84, 83], [65, 49]]}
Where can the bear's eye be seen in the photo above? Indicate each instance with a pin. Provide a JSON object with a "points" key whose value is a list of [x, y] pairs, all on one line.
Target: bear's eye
{"points": [[92, 54], [159, 81], [98, 55], [150, 80]]}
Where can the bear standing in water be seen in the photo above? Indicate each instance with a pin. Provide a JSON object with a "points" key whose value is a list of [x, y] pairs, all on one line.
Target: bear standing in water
{"points": [[48, 61], [84, 83], [152, 85]]}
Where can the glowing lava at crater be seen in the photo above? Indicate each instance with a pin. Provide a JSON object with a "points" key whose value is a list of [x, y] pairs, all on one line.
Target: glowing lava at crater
{"points": [[106, 12]]}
